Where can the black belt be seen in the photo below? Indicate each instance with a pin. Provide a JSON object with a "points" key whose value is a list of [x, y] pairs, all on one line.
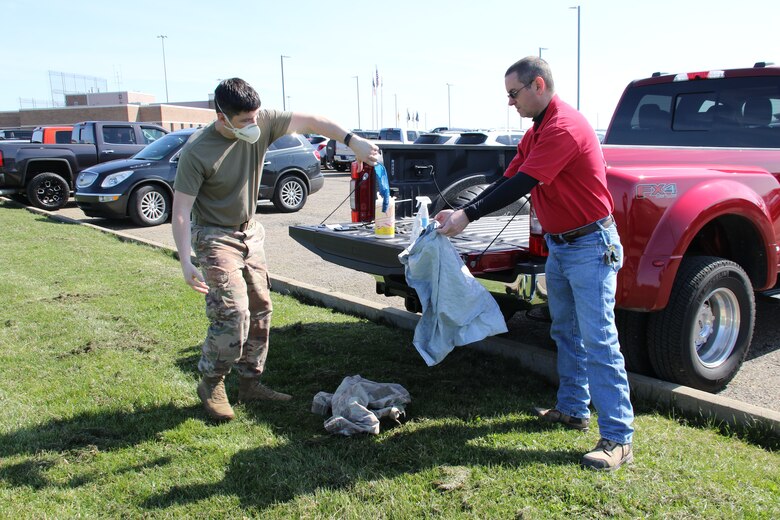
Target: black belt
{"points": [[569, 236]]}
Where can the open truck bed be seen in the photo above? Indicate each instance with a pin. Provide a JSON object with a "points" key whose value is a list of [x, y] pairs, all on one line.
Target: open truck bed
{"points": [[503, 267]]}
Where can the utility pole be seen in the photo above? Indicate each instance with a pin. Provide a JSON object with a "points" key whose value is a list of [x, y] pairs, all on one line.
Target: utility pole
{"points": [[284, 103], [165, 69], [449, 116], [357, 90], [578, 54]]}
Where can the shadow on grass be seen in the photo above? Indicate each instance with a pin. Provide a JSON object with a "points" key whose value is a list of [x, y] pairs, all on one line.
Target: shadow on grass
{"points": [[464, 390], [460, 394], [262, 477], [82, 435]]}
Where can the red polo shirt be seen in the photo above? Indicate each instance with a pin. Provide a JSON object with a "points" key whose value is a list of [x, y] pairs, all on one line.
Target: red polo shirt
{"points": [[564, 154]]}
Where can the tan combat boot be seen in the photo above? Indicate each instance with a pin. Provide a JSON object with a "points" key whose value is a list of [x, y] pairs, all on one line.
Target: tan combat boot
{"points": [[608, 456], [211, 391], [250, 389]]}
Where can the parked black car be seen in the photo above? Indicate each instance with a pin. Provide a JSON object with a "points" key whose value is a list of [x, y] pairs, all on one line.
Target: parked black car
{"points": [[141, 187]]}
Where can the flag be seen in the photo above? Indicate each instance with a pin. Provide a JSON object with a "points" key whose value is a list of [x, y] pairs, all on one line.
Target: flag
{"points": [[408, 117], [417, 117]]}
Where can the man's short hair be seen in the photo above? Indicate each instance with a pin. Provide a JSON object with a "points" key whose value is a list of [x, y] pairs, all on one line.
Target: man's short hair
{"points": [[531, 67], [233, 96]]}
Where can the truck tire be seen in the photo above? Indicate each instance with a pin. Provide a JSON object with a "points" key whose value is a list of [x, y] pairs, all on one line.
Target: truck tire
{"points": [[48, 191], [149, 206], [290, 194], [702, 336], [460, 195], [632, 333]]}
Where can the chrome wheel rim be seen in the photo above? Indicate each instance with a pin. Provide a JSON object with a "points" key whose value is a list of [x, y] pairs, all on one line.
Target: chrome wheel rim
{"points": [[153, 205], [716, 328], [291, 194]]}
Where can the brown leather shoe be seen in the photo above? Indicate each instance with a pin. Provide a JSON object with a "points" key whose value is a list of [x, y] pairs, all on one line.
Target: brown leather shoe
{"points": [[552, 415], [251, 389], [211, 391], [608, 456]]}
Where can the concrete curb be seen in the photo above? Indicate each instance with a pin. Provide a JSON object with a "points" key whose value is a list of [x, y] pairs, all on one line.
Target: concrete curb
{"points": [[691, 402]]}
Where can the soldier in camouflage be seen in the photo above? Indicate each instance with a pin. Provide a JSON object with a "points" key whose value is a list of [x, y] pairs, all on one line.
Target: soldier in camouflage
{"points": [[217, 185]]}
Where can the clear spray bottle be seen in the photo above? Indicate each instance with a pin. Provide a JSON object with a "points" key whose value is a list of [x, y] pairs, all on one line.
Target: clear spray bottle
{"points": [[421, 219]]}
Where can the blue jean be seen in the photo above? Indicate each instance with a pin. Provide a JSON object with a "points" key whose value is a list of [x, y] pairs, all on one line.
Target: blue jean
{"points": [[581, 286]]}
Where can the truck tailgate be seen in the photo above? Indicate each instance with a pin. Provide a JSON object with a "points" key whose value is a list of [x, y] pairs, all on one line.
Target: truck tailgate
{"points": [[354, 245]]}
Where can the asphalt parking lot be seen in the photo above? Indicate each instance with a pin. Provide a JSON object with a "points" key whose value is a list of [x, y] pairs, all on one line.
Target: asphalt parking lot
{"points": [[757, 383]]}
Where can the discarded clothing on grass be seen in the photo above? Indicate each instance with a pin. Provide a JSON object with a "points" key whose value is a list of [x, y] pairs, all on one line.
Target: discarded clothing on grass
{"points": [[456, 308], [358, 404]]}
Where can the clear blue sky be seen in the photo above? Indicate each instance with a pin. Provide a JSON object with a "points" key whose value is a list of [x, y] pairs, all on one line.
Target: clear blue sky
{"points": [[417, 47]]}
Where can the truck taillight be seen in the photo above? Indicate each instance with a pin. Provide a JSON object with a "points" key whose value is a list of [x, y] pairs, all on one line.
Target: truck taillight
{"points": [[361, 188], [1, 159], [536, 244]]}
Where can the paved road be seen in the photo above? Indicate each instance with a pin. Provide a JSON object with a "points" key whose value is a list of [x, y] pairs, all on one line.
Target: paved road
{"points": [[757, 383]]}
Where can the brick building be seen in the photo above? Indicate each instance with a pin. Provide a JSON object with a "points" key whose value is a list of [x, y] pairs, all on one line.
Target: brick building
{"points": [[113, 106]]}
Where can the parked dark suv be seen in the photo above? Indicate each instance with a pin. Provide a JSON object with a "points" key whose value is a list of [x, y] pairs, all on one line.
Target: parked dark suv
{"points": [[141, 187]]}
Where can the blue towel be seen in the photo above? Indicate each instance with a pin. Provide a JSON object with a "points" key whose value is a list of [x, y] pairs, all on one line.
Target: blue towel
{"points": [[443, 283], [383, 185]]}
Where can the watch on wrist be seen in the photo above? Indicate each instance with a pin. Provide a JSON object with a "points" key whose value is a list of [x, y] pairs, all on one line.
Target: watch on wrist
{"points": [[348, 138]]}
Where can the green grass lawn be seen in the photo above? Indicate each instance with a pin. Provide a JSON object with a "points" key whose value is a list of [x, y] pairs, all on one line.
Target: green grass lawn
{"points": [[99, 341]]}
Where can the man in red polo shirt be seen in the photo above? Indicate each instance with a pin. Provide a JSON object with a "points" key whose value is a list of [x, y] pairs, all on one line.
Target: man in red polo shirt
{"points": [[559, 161]]}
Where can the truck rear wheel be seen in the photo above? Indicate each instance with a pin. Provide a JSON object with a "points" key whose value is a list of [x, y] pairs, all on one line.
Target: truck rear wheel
{"points": [[48, 191], [701, 338]]}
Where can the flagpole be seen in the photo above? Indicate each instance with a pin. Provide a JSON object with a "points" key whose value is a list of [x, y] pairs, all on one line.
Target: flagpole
{"points": [[376, 99]]}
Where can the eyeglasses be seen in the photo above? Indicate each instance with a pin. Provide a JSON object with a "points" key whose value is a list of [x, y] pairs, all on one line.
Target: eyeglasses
{"points": [[515, 91]]}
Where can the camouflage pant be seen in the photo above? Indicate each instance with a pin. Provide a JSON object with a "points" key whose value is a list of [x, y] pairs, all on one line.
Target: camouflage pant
{"points": [[238, 304]]}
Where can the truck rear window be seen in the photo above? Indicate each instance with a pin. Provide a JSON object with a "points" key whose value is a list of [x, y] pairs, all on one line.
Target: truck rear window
{"points": [[729, 112]]}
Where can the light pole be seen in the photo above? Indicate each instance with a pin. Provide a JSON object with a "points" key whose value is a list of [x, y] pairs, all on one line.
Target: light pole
{"points": [[449, 117], [165, 69], [357, 93], [284, 104], [542, 49], [578, 54]]}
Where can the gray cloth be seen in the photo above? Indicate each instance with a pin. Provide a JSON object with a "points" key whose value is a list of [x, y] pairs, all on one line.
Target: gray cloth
{"points": [[358, 404], [457, 309]]}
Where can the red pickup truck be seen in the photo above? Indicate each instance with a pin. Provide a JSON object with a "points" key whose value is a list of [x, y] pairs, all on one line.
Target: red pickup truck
{"points": [[693, 164]]}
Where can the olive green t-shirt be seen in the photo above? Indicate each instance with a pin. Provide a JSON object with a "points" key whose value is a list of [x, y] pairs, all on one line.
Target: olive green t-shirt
{"points": [[224, 174]]}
